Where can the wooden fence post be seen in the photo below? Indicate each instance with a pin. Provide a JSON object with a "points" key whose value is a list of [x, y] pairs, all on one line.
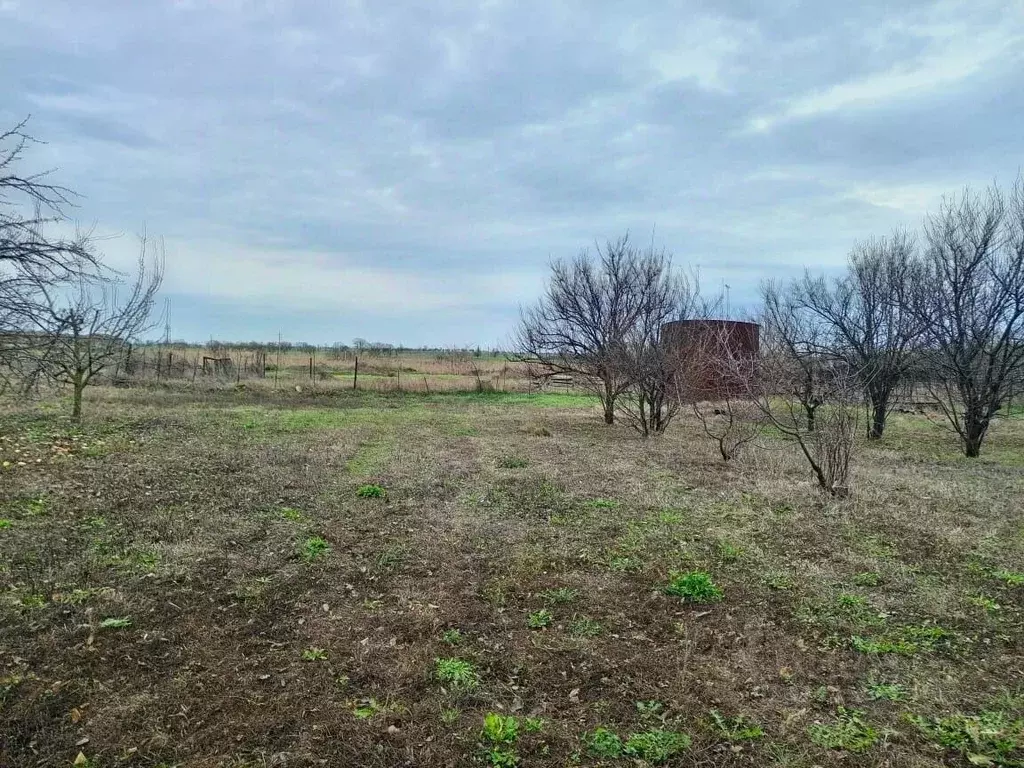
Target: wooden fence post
{"points": [[355, 373]]}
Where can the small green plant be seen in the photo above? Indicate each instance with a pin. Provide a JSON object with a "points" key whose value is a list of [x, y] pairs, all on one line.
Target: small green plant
{"points": [[290, 513], [656, 746], [988, 738], [603, 504], [581, 626], [602, 742], [1010, 578], [314, 548], [364, 709], [693, 587], [624, 564], [5, 523], [905, 641], [314, 654], [779, 581], [499, 737], [559, 595], [539, 619], [450, 715], [670, 517], [534, 724], [867, 579], [849, 732], [878, 690], [371, 491], [457, 674], [452, 636], [513, 462], [728, 552], [987, 603], [115, 622], [737, 728]]}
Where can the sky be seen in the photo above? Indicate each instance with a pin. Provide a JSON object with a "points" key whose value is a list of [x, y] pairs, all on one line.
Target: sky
{"points": [[405, 172]]}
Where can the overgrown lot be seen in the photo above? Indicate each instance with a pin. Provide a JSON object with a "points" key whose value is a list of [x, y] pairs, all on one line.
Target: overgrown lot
{"points": [[453, 580]]}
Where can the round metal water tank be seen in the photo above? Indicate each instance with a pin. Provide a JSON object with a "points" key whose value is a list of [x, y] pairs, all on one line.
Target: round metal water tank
{"points": [[711, 352]]}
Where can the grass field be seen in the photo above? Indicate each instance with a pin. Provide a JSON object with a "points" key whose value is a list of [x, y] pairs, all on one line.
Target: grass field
{"points": [[242, 578]]}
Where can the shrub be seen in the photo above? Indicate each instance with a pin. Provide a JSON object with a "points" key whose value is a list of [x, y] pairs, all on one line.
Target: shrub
{"points": [[693, 587]]}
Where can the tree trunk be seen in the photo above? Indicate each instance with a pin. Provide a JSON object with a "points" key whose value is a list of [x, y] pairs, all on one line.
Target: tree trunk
{"points": [[609, 403], [974, 434], [879, 411], [76, 407], [810, 416]]}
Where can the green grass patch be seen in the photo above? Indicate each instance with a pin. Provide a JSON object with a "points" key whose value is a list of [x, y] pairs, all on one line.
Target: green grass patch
{"points": [[693, 587]]}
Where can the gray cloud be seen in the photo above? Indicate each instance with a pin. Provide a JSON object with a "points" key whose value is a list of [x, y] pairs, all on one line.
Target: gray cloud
{"points": [[408, 169]]}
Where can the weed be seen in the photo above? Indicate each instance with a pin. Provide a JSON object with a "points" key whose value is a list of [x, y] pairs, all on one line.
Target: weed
{"points": [[867, 579], [534, 724], [364, 709], [452, 636], [559, 595], [624, 564], [778, 581], [290, 513], [602, 742], [371, 491], [602, 504], [5, 523], [849, 732], [457, 674], [499, 737], [905, 641], [656, 746], [513, 462], [651, 710], [115, 622], [988, 738], [987, 603], [314, 654], [314, 548], [500, 729], [878, 690], [450, 715], [1010, 578], [693, 587], [539, 619], [390, 559], [581, 626], [738, 728], [727, 552], [670, 517]]}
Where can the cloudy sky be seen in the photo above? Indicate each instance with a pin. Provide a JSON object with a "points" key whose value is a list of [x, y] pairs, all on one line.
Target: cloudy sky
{"points": [[404, 171]]}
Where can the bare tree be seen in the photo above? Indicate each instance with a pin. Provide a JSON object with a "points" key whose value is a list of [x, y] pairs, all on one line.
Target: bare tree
{"points": [[731, 423], [795, 338], [971, 300], [29, 206], [581, 323], [653, 365], [87, 323], [865, 319], [775, 383]]}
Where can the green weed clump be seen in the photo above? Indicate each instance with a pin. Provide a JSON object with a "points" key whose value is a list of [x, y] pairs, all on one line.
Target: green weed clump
{"points": [[905, 641], [498, 740], [656, 746], [988, 738], [849, 732], [457, 674], [738, 728], [371, 491], [539, 619], [314, 548], [693, 587]]}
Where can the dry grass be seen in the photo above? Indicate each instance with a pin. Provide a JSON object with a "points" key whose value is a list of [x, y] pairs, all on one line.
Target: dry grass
{"points": [[191, 513]]}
